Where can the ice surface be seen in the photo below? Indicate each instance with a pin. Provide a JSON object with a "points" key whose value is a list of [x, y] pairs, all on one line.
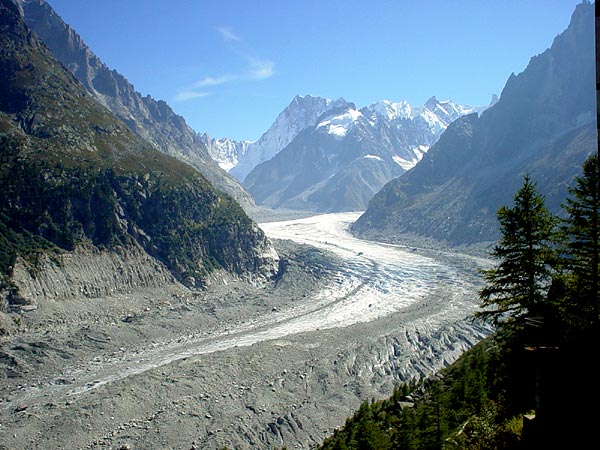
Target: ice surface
{"points": [[377, 279]]}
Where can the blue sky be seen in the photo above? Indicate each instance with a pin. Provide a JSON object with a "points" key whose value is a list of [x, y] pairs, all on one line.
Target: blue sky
{"points": [[230, 66]]}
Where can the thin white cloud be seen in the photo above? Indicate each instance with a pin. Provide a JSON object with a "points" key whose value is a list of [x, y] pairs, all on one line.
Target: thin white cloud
{"points": [[261, 69], [212, 81], [228, 34], [189, 94], [257, 69]]}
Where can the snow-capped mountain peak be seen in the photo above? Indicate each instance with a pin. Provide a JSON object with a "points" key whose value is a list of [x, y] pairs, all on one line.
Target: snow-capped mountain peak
{"points": [[302, 112], [225, 151], [437, 115], [448, 111], [338, 125], [420, 127], [390, 110], [347, 155]]}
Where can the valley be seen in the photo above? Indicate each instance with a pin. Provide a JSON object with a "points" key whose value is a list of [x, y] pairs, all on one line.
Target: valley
{"points": [[237, 364], [160, 288]]}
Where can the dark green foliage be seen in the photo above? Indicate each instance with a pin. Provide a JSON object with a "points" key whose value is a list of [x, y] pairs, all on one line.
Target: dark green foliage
{"points": [[581, 247], [517, 287], [192, 230], [62, 206], [457, 410], [13, 243]]}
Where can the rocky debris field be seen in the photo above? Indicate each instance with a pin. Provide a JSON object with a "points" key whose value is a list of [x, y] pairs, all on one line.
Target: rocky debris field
{"points": [[227, 366]]}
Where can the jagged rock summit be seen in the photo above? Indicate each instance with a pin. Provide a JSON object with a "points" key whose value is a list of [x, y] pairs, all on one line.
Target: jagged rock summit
{"points": [[226, 152], [542, 125], [241, 157], [83, 194]]}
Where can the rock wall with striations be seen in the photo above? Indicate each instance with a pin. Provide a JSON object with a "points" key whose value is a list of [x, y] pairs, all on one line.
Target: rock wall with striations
{"points": [[87, 272]]}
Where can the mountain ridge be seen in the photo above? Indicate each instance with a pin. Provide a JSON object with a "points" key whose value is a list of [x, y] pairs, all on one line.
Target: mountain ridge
{"points": [[240, 157], [542, 125], [153, 120], [301, 112], [341, 160]]}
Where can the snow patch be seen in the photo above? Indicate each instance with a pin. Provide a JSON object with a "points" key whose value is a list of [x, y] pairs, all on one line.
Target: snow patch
{"points": [[379, 158], [392, 110], [227, 165], [433, 121], [408, 164], [339, 125]]}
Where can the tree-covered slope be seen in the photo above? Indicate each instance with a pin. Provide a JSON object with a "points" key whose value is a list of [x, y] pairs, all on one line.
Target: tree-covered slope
{"points": [[71, 173]]}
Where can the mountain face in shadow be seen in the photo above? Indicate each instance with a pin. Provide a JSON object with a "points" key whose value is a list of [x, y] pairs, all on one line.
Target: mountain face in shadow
{"points": [[543, 125]]}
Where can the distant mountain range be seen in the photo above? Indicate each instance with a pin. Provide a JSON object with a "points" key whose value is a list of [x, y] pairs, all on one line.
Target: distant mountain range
{"points": [[341, 155], [440, 170], [151, 119], [543, 125], [240, 157], [396, 133]]}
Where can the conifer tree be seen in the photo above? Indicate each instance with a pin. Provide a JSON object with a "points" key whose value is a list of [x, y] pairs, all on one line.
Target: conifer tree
{"points": [[581, 233], [517, 286]]}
